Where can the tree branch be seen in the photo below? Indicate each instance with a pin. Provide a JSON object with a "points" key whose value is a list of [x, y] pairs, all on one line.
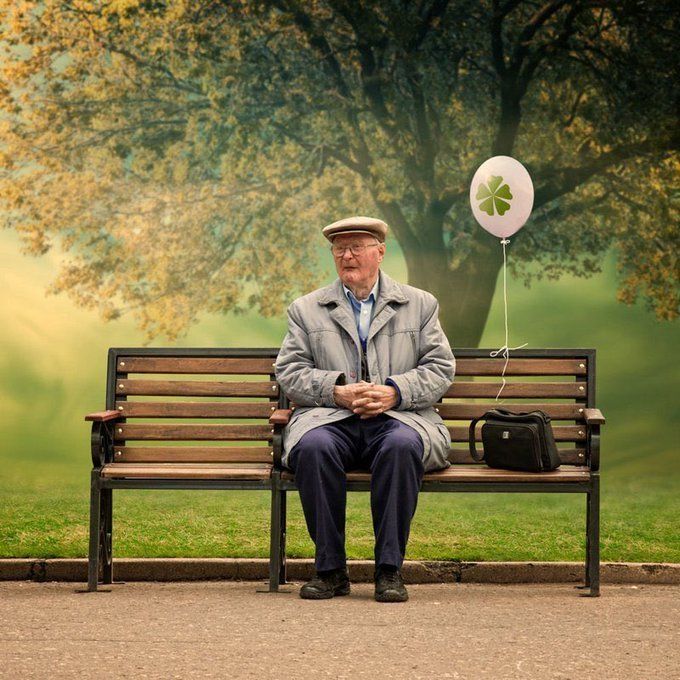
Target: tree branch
{"points": [[574, 109], [528, 32], [318, 41], [561, 181], [435, 11], [527, 73], [103, 135], [332, 151], [106, 42], [406, 236], [497, 47]]}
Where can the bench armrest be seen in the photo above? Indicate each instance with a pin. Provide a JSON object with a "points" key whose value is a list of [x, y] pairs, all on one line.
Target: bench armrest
{"points": [[278, 420], [593, 416], [280, 417], [103, 416]]}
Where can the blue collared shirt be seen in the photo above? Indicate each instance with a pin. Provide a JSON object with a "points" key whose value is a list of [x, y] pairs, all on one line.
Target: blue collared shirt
{"points": [[363, 315], [363, 311]]}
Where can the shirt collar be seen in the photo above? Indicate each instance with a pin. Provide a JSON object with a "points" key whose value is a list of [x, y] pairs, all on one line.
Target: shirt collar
{"points": [[373, 293]]}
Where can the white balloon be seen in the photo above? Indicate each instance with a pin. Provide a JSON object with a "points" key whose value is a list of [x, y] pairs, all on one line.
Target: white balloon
{"points": [[501, 195]]}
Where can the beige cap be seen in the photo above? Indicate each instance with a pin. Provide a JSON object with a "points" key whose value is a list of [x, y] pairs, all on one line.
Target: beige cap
{"points": [[356, 225]]}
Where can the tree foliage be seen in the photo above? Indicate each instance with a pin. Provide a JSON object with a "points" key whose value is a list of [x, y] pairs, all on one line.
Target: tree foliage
{"points": [[186, 153]]}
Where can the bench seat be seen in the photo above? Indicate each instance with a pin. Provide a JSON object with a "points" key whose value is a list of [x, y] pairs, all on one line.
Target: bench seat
{"points": [[474, 473], [186, 471]]}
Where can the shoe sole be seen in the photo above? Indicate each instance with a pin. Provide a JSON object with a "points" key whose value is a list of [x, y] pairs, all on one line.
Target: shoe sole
{"points": [[325, 596], [391, 596]]}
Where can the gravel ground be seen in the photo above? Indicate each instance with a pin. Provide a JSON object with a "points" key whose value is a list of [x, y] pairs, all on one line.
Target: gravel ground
{"points": [[228, 629]]}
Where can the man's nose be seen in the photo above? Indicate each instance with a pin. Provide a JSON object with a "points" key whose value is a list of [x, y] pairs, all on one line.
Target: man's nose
{"points": [[347, 255]]}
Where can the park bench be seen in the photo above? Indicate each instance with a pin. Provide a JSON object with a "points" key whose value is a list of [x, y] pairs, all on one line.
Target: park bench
{"points": [[138, 443]]}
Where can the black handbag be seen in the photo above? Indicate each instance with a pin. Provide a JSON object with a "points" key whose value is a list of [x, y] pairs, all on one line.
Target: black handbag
{"points": [[516, 441]]}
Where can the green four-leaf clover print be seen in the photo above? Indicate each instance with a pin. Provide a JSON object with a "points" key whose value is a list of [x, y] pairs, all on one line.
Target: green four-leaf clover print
{"points": [[492, 195]]}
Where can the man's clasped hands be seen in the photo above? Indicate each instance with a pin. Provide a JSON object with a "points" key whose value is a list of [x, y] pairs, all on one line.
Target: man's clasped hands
{"points": [[365, 399]]}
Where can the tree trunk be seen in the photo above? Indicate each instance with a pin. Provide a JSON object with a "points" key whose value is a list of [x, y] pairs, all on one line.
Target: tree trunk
{"points": [[464, 295]]}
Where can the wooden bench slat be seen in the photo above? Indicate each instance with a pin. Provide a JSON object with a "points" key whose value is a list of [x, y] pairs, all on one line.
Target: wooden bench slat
{"points": [[177, 471], [563, 433], [572, 456], [193, 454], [195, 388], [532, 390], [469, 411], [204, 409], [234, 366], [186, 432], [263, 454], [484, 474], [521, 366], [171, 431], [197, 409]]}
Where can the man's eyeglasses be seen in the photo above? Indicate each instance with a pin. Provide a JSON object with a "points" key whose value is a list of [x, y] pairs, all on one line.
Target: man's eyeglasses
{"points": [[355, 249]]}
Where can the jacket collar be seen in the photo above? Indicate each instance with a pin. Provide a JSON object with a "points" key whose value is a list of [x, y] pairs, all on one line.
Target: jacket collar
{"points": [[389, 291]]}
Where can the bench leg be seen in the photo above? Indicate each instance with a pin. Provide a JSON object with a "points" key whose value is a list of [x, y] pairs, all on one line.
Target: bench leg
{"points": [[107, 535], [275, 538], [586, 585], [282, 540], [95, 534], [593, 539]]}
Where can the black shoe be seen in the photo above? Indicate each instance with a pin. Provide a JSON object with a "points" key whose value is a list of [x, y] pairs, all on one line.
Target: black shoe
{"points": [[325, 585], [389, 586]]}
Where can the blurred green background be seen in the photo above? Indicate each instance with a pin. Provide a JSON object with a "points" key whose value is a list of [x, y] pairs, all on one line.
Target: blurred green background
{"points": [[53, 372]]}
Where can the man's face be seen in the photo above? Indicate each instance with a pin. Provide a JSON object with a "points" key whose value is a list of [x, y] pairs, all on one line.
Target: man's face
{"points": [[360, 270]]}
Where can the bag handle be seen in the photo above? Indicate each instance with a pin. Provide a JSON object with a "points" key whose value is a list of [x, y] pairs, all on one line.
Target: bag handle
{"points": [[471, 440], [505, 412]]}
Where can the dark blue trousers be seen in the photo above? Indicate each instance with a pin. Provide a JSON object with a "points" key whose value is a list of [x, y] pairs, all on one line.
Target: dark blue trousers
{"points": [[392, 451]]}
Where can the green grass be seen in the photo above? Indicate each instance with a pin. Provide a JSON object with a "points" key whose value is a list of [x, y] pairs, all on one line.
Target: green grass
{"points": [[639, 522], [52, 371]]}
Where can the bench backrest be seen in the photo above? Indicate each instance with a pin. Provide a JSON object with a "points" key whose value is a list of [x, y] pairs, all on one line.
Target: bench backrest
{"points": [[192, 405], [222, 398], [559, 382]]}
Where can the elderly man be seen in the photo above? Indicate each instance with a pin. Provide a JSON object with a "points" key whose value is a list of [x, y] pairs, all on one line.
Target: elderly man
{"points": [[364, 360]]}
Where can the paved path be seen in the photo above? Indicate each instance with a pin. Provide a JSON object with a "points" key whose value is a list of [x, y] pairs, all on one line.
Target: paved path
{"points": [[227, 630]]}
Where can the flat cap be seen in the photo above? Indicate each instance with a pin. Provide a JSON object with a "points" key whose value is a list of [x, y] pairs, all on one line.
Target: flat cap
{"points": [[356, 225]]}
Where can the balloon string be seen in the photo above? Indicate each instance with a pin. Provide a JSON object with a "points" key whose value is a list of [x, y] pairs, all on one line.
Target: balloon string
{"points": [[505, 350]]}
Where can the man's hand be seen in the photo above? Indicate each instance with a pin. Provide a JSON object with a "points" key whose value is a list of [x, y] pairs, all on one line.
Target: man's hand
{"points": [[346, 395], [367, 400]]}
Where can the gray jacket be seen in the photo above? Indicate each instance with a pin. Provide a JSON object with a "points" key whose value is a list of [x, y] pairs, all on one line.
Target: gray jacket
{"points": [[405, 343]]}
